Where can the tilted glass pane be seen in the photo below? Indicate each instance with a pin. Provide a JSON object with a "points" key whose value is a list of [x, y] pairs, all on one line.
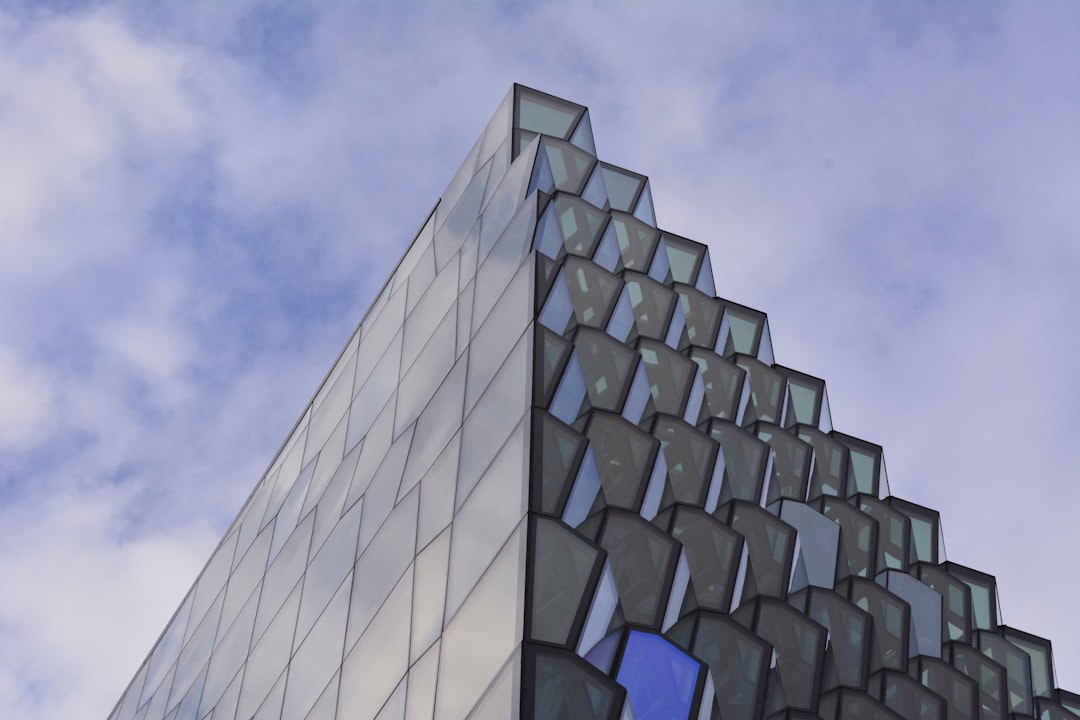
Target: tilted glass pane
{"points": [[624, 457], [563, 563]]}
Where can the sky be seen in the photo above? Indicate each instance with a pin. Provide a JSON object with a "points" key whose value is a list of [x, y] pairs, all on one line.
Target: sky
{"points": [[198, 202]]}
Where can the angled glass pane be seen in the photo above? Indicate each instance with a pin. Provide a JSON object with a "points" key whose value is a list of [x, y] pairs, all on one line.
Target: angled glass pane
{"points": [[565, 567], [690, 456], [622, 186], [661, 680], [723, 381], [712, 552], [858, 538], [624, 458], [558, 684], [652, 305], [592, 292], [606, 365], [669, 374], [745, 458], [570, 166], [539, 112], [684, 258], [702, 315], [643, 559], [740, 330], [829, 474], [636, 240], [771, 545], [766, 390]]}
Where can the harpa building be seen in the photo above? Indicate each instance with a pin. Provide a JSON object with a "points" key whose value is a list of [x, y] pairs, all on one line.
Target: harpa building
{"points": [[553, 476]]}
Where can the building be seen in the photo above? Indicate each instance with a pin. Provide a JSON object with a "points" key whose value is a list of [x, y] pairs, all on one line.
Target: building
{"points": [[553, 476]]}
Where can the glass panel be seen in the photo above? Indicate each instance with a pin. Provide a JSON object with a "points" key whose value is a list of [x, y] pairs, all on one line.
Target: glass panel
{"points": [[1040, 654], [894, 535], [799, 644], [925, 605], [318, 657], [606, 365], [269, 656], [652, 304], [829, 474], [791, 463], [197, 651], [624, 456], [581, 224], [804, 399], [230, 654], [565, 687], [958, 690], [487, 518], [684, 258], [858, 537], [373, 668], [766, 390], [542, 113], [690, 458], [592, 292], [622, 186], [382, 565], [670, 375], [889, 643], [988, 674], [564, 565], [328, 569], [283, 574], [427, 373], [437, 494], [496, 338], [744, 462], [427, 611], [422, 322], [637, 241], [484, 633], [551, 355], [420, 704], [771, 544], [643, 559], [435, 426], [712, 552], [723, 382], [702, 315], [374, 394], [743, 326], [738, 662], [660, 680], [570, 166]]}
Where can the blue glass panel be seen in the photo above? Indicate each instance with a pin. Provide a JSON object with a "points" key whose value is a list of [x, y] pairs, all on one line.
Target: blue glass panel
{"points": [[660, 679]]}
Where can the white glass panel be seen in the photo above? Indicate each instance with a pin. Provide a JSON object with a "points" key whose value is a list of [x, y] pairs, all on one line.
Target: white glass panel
{"points": [[246, 577], [488, 517], [422, 322], [495, 415], [437, 494], [381, 566], [328, 569], [394, 709], [376, 444], [374, 667], [283, 574], [229, 655], [376, 336], [427, 373], [464, 318], [327, 415], [196, 652], [438, 423], [383, 491], [330, 458], [211, 582], [420, 278], [285, 522], [501, 701], [483, 635], [326, 706], [374, 394], [167, 651], [269, 657], [430, 592], [271, 706], [318, 656], [422, 677]]}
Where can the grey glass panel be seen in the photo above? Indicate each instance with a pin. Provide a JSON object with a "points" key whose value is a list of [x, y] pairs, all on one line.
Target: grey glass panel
{"points": [[564, 686], [420, 278], [652, 304], [595, 193], [799, 644], [381, 566], [570, 396], [956, 601], [430, 591], [289, 513], [660, 269], [829, 473], [373, 668], [989, 675], [557, 313], [791, 463], [669, 375], [924, 524], [702, 314], [580, 223], [889, 644], [1017, 666], [394, 709], [606, 365], [1041, 656], [684, 258], [637, 241], [958, 690], [542, 113], [592, 292], [863, 464], [741, 329], [925, 605], [325, 708], [690, 458], [712, 552], [318, 657], [622, 186], [744, 462], [645, 210], [563, 563], [211, 582], [487, 517], [377, 336], [804, 398], [331, 406], [481, 637], [330, 458], [894, 535], [850, 636], [723, 381], [583, 495], [908, 697], [738, 662], [560, 451], [624, 457], [766, 390], [819, 540], [570, 166], [771, 544], [983, 595], [551, 355], [643, 559], [858, 538], [271, 706]]}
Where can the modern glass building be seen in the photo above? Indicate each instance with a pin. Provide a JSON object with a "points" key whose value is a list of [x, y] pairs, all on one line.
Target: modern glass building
{"points": [[553, 476]]}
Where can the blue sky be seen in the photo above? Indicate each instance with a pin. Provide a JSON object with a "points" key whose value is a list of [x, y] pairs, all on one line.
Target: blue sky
{"points": [[197, 203]]}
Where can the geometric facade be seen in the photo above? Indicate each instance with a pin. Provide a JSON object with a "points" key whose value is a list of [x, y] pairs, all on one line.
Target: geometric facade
{"points": [[552, 475]]}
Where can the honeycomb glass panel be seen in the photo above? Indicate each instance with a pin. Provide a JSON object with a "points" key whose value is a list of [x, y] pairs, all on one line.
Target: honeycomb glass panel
{"points": [[622, 186], [539, 112], [643, 559], [771, 544], [744, 327], [624, 458], [723, 381], [829, 474], [799, 644], [684, 258], [712, 553], [690, 458], [766, 390], [560, 449], [702, 314], [636, 240], [592, 292], [670, 375], [652, 305], [745, 458], [889, 642], [738, 662], [565, 686], [570, 166], [989, 675], [564, 566], [607, 366], [958, 690], [581, 224], [791, 463]]}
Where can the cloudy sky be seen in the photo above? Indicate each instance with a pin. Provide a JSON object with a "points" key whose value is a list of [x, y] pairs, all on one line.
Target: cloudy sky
{"points": [[198, 202]]}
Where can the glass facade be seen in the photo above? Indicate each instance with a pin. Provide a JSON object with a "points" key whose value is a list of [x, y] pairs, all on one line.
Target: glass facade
{"points": [[552, 475]]}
